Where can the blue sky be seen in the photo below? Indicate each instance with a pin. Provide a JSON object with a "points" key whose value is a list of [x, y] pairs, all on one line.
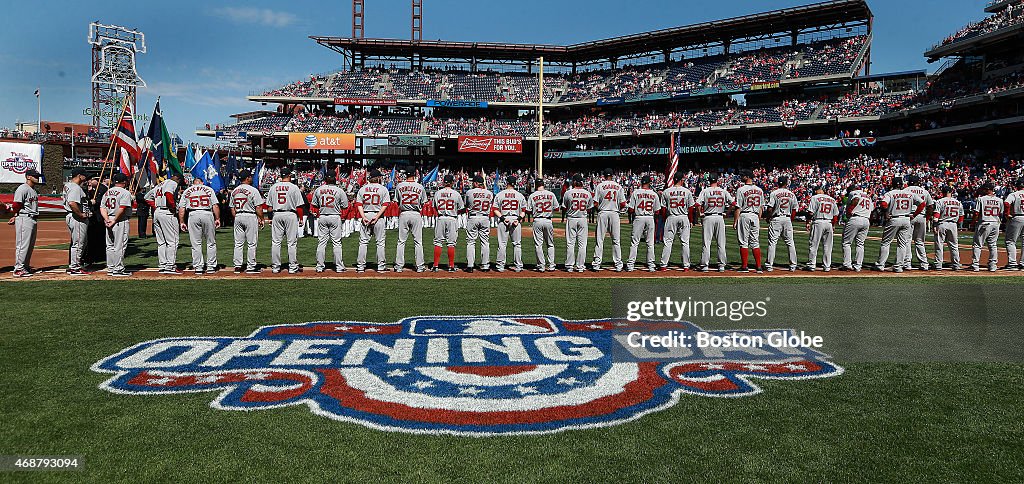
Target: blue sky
{"points": [[205, 57]]}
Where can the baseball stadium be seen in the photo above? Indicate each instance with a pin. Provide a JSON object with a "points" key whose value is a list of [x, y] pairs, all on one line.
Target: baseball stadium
{"points": [[728, 250]]}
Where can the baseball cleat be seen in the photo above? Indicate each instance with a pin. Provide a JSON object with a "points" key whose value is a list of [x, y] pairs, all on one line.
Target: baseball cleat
{"points": [[198, 273], [382, 269], [743, 269], [238, 269], [792, 268], [652, 269], [993, 269], [551, 268], [704, 269], [663, 269], [897, 270], [809, 269], [319, 270], [975, 269], [275, 270], [22, 274], [469, 269], [433, 268], [581, 270], [828, 269], [294, 271], [500, 269], [253, 270], [76, 272], [212, 270], [120, 274], [721, 268], [539, 269], [769, 269]]}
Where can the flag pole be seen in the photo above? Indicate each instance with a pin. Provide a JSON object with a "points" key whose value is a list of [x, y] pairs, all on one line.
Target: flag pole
{"points": [[110, 150], [39, 111]]}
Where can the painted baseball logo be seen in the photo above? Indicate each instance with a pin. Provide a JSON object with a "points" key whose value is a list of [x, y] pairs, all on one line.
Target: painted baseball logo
{"points": [[473, 375]]}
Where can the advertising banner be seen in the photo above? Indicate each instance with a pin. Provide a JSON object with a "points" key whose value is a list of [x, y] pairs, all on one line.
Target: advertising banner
{"points": [[733, 146], [608, 101], [456, 103], [364, 101], [490, 144], [410, 141], [18, 158], [321, 141], [228, 137]]}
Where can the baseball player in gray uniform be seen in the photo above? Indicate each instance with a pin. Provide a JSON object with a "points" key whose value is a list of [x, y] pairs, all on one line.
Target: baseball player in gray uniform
{"points": [[510, 208], [446, 231], [26, 211], [410, 196], [858, 223], [1015, 225], [900, 207], [824, 214], [747, 222], [714, 202], [678, 202], [199, 215], [328, 203], [76, 202], [948, 215], [247, 209], [479, 202], [576, 202], [988, 214], [116, 210], [541, 204], [782, 204], [610, 199], [286, 200], [644, 203], [165, 223], [371, 199], [920, 225]]}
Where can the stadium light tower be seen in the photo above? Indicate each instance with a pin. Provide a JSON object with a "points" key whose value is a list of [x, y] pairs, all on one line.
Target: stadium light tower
{"points": [[357, 19], [417, 20], [114, 75]]}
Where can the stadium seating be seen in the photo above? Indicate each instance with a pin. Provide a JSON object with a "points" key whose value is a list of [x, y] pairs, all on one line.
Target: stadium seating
{"points": [[1011, 16]]}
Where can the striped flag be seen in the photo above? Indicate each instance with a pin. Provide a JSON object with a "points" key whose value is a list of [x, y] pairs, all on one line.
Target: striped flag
{"points": [[125, 136], [673, 163]]}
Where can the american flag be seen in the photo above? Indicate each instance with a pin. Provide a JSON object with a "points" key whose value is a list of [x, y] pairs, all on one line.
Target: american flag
{"points": [[673, 163]]}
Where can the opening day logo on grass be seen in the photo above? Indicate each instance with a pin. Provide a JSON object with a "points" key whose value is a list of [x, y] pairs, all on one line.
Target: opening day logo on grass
{"points": [[469, 375]]}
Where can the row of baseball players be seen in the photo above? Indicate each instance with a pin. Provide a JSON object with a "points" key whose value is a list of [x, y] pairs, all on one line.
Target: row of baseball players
{"points": [[196, 211]]}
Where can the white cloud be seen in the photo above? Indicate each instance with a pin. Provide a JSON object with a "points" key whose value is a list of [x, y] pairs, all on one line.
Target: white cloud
{"points": [[259, 16]]}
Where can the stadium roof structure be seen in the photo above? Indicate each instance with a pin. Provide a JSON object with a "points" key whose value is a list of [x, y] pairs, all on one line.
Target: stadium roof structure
{"points": [[792, 21]]}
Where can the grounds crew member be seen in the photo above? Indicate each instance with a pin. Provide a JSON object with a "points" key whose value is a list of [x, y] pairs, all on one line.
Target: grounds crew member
{"points": [[76, 202], [116, 210], [286, 200], [199, 215], [328, 203], [541, 205], [610, 199], [479, 203], [247, 209], [410, 196], [26, 211]]}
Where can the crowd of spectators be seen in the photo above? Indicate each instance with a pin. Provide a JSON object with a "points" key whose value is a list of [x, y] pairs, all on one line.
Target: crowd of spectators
{"points": [[1012, 15]]}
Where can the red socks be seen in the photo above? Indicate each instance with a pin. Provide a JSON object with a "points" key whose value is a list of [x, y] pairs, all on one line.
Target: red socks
{"points": [[744, 256], [451, 257], [437, 255], [757, 258]]}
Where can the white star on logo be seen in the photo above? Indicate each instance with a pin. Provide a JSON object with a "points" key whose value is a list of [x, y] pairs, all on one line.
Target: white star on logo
{"points": [[470, 391], [526, 390], [568, 381], [208, 379], [257, 376], [713, 366], [398, 373], [423, 384], [793, 367], [596, 326], [371, 330], [159, 381], [755, 367], [588, 369], [342, 328]]}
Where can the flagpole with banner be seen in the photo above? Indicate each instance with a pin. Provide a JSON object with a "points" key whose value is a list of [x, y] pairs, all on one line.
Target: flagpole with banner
{"points": [[39, 112], [110, 150]]}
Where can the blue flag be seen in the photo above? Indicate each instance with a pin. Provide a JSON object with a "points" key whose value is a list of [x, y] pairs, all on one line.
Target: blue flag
{"points": [[207, 171], [391, 180], [495, 187], [256, 173], [190, 158], [231, 169], [432, 176]]}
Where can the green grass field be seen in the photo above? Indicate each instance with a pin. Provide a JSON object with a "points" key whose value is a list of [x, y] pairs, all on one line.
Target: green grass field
{"points": [[142, 252], [938, 421]]}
